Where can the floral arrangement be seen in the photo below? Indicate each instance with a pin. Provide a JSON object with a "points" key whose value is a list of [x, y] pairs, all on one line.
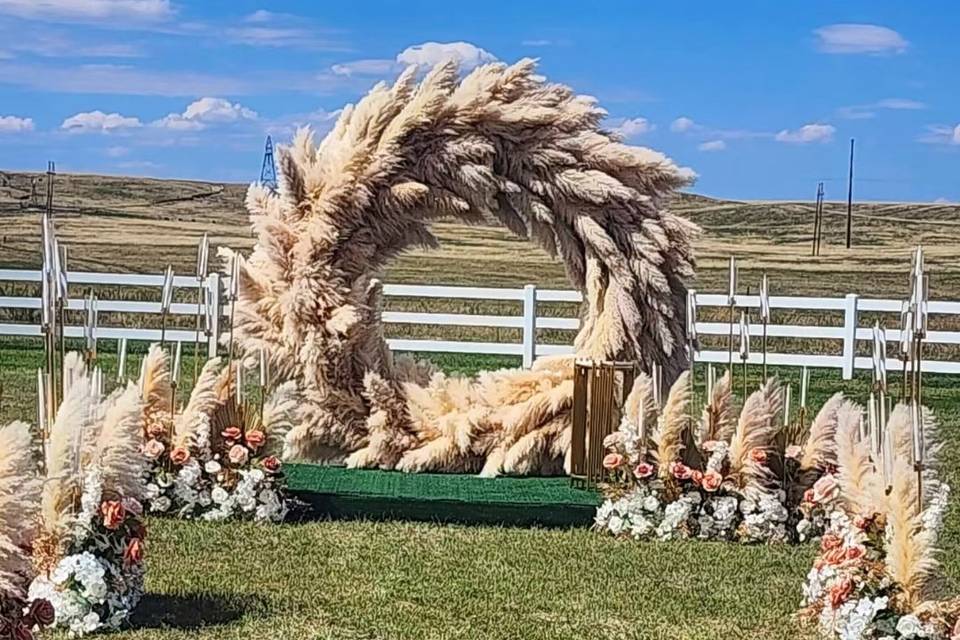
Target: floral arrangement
{"points": [[88, 552], [217, 458], [875, 576], [19, 497], [719, 477]]}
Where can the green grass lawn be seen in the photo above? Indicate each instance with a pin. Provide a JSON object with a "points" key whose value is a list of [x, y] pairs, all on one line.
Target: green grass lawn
{"points": [[357, 579]]}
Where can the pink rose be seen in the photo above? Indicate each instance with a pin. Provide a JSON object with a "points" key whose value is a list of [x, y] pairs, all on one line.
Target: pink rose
{"points": [[113, 514], [232, 433], [179, 456], [793, 452], [825, 489], [758, 455], [271, 464], [153, 449], [238, 454], [712, 480], [643, 470], [680, 471], [612, 460], [808, 495], [132, 505], [855, 553], [697, 477]]}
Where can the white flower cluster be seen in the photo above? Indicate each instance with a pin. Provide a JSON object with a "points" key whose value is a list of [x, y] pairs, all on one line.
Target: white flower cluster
{"points": [[251, 495], [637, 513], [79, 588], [765, 516]]}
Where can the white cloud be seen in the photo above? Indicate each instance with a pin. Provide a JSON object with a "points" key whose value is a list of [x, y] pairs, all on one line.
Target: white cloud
{"points": [[537, 43], [943, 201], [116, 152], [372, 67], [815, 132], [88, 10], [941, 134], [429, 54], [682, 125], [13, 124], [712, 145], [204, 111], [859, 38], [633, 127], [866, 111], [99, 122]]}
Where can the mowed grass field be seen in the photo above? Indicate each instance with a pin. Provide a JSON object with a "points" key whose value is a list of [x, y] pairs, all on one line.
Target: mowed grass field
{"points": [[404, 580]]}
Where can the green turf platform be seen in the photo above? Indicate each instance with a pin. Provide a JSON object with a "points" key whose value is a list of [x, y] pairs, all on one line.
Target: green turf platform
{"points": [[351, 493]]}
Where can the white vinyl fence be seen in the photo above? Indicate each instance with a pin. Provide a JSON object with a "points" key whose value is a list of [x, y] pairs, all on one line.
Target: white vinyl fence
{"points": [[841, 337]]}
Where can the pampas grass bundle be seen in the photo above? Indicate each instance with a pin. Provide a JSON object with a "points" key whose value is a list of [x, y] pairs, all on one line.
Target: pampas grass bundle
{"points": [[500, 143], [19, 499]]}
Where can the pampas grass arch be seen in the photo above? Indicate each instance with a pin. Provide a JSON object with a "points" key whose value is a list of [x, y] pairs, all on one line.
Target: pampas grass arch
{"points": [[502, 143]]}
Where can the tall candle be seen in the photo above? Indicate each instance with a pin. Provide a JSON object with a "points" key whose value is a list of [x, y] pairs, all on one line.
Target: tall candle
{"points": [[917, 429], [710, 379], [263, 369], [122, 360], [41, 403], [874, 425], [733, 280], [786, 408], [175, 377], [239, 383], [804, 382]]}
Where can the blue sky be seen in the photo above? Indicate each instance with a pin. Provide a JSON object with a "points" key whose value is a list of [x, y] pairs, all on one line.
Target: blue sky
{"points": [[760, 98]]}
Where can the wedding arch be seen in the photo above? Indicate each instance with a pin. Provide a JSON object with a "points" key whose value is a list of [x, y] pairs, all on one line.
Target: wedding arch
{"points": [[500, 142]]}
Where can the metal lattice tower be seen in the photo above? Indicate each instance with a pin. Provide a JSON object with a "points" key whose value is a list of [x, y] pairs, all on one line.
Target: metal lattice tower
{"points": [[268, 173]]}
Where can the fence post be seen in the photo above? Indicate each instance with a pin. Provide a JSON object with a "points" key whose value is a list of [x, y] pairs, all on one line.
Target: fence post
{"points": [[529, 325], [213, 284], [849, 335]]}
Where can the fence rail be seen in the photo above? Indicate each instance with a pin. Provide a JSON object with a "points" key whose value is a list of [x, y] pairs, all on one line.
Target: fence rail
{"points": [[846, 334]]}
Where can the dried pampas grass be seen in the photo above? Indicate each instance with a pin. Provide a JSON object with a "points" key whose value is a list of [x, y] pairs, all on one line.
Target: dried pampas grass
{"points": [[19, 498], [501, 143]]}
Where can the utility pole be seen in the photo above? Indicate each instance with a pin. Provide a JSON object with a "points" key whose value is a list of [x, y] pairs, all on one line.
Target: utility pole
{"points": [[818, 221], [850, 197]]}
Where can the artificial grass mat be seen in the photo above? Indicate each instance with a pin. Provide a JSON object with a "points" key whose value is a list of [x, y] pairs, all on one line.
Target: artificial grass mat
{"points": [[336, 492]]}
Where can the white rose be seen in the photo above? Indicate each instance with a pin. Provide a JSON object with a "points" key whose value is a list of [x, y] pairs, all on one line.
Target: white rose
{"points": [[160, 503], [219, 495], [212, 467], [909, 627]]}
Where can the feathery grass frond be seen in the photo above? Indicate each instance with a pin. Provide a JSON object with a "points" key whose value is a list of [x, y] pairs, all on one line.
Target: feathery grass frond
{"points": [[204, 399], [718, 421], [756, 429], [819, 450], [674, 422], [117, 447], [19, 498], [861, 485], [154, 383]]}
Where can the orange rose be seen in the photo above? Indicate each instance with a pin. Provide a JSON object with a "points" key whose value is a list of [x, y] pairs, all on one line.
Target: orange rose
{"points": [[113, 514], [835, 556], [840, 592], [133, 554], [271, 464], [697, 477], [179, 456], [232, 433], [808, 495], [830, 541], [712, 480], [612, 460], [758, 455], [255, 439]]}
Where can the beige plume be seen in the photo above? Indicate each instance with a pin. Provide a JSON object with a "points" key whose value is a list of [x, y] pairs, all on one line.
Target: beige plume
{"points": [[19, 498]]}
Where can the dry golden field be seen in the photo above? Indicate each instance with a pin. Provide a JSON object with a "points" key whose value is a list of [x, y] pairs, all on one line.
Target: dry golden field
{"points": [[140, 225]]}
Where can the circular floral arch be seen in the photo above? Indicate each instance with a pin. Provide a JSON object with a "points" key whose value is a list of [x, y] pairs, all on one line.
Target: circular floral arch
{"points": [[500, 142]]}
